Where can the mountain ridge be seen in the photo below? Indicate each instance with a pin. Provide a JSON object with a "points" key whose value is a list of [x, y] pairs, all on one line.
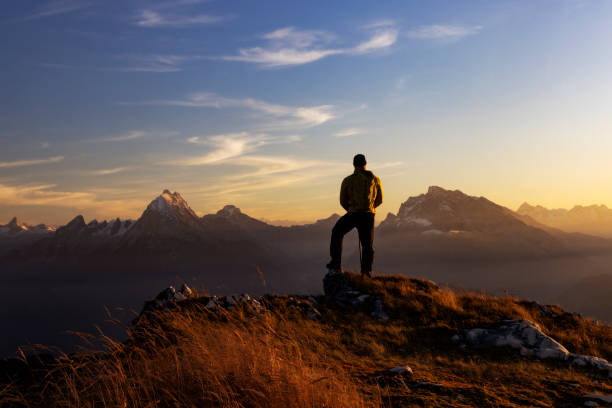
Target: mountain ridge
{"points": [[593, 219]]}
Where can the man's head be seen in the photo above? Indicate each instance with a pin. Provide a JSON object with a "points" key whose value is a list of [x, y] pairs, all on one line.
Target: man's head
{"points": [[359, 161]]}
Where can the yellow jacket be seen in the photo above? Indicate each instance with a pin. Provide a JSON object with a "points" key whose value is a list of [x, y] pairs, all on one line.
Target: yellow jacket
{"points": [[361, 192]]}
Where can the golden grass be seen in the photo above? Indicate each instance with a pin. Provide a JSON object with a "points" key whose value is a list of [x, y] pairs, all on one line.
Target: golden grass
{"points": [[192, 357], [191, 361]]}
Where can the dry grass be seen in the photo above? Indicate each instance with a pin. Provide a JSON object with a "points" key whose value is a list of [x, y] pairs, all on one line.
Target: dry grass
{"points": [[187, 360], [191, 357]]}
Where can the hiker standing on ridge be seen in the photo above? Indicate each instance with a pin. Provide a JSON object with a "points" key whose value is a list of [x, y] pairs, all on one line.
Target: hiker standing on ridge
{"points": [[360, 194]]}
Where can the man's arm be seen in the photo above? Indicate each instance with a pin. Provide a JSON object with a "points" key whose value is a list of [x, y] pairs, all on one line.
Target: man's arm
{"points": [[379, 193], [344, 195]]}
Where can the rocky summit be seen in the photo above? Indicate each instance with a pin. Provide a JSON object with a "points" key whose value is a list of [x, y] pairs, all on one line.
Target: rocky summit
{"points": [[387, 341]]}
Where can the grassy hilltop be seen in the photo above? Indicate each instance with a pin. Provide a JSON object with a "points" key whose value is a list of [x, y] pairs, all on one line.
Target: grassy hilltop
{"points": [[191, 355]]}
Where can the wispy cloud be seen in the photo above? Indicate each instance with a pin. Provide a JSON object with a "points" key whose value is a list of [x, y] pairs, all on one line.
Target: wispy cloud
{"points": [[270, 165], [47, 195], [153, 18], [232, 148], [290, 46], [105, 172], [224, 147], [348, 132], [58, 7], [383, 38], [269, 172], [155, 63], [132, 135], [22, 163], [382, 23], [443, 32], [291, 116]]}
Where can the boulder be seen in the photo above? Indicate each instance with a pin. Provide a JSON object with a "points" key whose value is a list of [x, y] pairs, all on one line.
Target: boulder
{"points": [[166, 298], [338, 287], [528, 338]]}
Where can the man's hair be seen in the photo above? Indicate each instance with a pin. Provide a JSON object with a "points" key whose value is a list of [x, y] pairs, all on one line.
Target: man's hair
{"points": [[359, 160]]}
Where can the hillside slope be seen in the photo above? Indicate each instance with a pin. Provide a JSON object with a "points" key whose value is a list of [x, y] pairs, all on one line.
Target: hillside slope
{"points": [[382, 342]]}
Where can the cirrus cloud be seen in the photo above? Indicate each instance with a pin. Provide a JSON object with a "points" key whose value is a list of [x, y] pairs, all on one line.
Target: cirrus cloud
{"points": [[289, 116], [289, 46], [443, 32], [22, 163]]}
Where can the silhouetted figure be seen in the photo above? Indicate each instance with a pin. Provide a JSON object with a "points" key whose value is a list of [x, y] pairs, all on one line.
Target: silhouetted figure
{"points": [[360, 194]]}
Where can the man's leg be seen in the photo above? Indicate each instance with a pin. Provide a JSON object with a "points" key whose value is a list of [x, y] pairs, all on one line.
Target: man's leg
{"points": [[343, 225], [365, 227]]}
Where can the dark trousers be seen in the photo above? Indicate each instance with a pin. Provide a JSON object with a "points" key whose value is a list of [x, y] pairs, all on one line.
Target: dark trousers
{"points": [[364, 222]]}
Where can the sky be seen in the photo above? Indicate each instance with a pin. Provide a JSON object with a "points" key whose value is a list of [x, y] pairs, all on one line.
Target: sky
{"points": [[263, 104]]}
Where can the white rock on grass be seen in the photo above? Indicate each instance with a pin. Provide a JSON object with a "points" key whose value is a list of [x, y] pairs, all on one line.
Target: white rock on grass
{"points": [[520, 334], [401, 370], [599, 397], [528, 338]]}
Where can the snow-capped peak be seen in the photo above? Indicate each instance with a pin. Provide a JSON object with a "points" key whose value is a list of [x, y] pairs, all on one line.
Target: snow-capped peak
{"points": [[15, 224], [168, 200], [171, 204]]}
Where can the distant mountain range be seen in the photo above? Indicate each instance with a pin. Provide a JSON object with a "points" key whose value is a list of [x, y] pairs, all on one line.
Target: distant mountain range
{"points": [[17, 234], [444, 235], [592, 219], [440, 223]]}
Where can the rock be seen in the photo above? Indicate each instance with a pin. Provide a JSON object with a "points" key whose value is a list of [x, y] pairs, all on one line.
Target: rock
{"points": [[305, 307], [591, 404], [599, 397], [519, 334], [401, 370], [338, 287], [362, 298], [166, 298], [528, 338], [186, 291]]}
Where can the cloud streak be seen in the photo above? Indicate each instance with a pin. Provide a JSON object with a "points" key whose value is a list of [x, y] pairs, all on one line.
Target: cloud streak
{"points": [[224, 147], [46, 195], [348, 132], [105, 172], [22, 163], [155, 19], [290, 46], [301, 116], [443, 32], [58, 7], [156, 63], [124, 137], [383, 38]]}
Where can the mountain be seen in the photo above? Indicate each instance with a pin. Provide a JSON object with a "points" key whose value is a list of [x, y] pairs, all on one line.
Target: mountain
{"points": [[16, 226], [230, 222], [167, 225], [17, 234], [592, 219], [455, 224]]}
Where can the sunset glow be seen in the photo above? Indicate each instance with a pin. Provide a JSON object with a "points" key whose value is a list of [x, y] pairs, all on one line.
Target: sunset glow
{"points": [[104, 106]]}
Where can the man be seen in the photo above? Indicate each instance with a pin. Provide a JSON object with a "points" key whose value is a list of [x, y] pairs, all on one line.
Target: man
{"points": [[360, 194]]}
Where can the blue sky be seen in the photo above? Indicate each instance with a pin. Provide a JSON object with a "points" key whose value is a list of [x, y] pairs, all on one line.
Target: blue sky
{"points": [[263, 104]]}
